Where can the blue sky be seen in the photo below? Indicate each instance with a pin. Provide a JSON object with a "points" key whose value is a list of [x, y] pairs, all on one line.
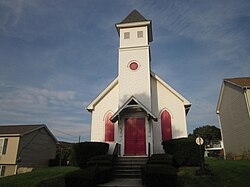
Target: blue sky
{"points": [[57, 56]]}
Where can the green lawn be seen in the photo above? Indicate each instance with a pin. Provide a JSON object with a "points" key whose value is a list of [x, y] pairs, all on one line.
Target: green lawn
{"points": [[33, 178], [227, 173]]}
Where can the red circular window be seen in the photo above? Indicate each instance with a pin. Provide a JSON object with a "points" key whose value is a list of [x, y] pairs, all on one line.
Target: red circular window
{"points": [[133, 66]]}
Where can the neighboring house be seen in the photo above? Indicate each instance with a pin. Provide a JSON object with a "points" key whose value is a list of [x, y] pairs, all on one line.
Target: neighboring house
{"points": [[214, 149], [138, 109], [23, 147], [234, 114]]}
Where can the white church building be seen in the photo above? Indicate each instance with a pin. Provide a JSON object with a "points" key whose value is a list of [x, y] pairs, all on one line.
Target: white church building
{"points": [[137, 110]]}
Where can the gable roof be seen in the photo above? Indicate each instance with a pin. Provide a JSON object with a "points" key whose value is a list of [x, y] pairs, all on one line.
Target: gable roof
{"points": [[243, 82], [91, 106], [187, 104], [132, 102], [20, 130], [134, 16]]}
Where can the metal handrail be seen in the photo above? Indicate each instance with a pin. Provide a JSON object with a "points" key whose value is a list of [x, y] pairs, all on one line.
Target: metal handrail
{"points": [[149, 149]]}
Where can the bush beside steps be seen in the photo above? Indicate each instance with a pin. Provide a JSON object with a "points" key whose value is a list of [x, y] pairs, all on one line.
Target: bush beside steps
{"points": [[159, 171], [98, 170]]}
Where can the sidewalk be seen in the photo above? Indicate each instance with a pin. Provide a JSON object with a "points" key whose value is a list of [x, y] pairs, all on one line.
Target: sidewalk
{"points": [[123, 182]]}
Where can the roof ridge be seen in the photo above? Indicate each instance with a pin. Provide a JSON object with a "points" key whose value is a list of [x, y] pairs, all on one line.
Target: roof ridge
{"points": [[134, 16]]}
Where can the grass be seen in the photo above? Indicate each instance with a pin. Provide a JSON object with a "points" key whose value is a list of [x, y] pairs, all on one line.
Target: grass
{"points": [[231, 172], [228, 173], [35, 177]]}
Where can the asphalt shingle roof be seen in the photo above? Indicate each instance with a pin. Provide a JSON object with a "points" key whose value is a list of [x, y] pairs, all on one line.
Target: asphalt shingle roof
{"points": [[18, 129], [134, 16], [241, 81]]}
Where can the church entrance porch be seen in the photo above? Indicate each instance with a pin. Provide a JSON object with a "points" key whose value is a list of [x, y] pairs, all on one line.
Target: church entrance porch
{"points": [[135, 136]]}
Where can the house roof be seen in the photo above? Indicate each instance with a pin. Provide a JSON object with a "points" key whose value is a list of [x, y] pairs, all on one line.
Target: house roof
{"points": [[243, 82], [21, 130], [132, 102], [134, 16]]}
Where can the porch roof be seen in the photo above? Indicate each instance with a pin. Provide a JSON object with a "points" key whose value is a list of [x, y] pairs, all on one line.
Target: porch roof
{"points": [[132, 103]]}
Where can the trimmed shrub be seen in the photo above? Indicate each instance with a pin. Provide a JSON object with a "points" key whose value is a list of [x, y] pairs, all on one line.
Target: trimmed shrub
{"points": [[102, 157], [101, 160], [159, 171], [104, 174], [83, 151], [89, 177], [185, 151], [81, 178], [164, 159], [99, 163], [160, 175]]}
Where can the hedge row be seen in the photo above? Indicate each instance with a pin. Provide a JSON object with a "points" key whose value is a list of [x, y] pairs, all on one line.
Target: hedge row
{"points": [[89, 177], [82, 152], [98, 170], [184, 150], [159, 171]]}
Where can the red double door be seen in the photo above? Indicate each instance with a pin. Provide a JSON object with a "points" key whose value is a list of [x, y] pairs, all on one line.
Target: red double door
{"points": [[135, 136]]}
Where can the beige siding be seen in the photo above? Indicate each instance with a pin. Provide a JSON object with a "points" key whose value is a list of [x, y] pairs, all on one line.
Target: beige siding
{"points": [[10, 170], [36, 148], [11, 151], [234, 119], [162, 98]]}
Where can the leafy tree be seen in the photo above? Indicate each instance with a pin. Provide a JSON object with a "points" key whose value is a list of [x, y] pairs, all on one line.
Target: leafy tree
{"points": [[210, 134]]}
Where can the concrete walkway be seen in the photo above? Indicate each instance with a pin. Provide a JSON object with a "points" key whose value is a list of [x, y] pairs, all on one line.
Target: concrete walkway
{"points": [[123, 182]]}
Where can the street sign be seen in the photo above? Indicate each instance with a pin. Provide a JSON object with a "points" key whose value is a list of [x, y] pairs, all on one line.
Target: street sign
{"points": [[199, 141]]}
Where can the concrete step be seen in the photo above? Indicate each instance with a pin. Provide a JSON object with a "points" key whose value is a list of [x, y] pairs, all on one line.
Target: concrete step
{"points": [[129, 167], [123, 182]]}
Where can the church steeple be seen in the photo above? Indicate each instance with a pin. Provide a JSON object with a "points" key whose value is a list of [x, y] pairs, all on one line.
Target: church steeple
{"points": [[134, 58], [135, 19]]}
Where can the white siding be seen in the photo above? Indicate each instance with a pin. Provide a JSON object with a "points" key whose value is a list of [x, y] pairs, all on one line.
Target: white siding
{"points": [[163, 98], [133, 40], [108, 103], [134, 83]]}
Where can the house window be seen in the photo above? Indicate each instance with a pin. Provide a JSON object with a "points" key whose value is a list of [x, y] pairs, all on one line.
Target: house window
{"points": [[126, 35], [109, 128], [139, 34], [3, 146], [2, 171], [166, 129]]}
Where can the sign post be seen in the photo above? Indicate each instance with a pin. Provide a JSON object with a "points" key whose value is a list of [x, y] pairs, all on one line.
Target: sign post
{"points": [[199, 141]]}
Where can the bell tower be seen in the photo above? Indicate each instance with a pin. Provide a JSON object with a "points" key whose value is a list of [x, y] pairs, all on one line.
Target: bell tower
{"points": [[135, 33]]}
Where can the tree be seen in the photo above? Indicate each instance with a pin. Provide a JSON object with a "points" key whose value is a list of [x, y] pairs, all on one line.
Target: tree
{"points": [[210, 134]]}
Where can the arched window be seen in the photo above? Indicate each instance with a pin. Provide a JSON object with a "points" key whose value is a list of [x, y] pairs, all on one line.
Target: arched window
{"points": [[109, 128], [166, 129]]}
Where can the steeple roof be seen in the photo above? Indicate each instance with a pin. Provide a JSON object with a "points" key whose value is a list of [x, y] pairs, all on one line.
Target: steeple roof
{"points": [[135, 19], [134, 16]]}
